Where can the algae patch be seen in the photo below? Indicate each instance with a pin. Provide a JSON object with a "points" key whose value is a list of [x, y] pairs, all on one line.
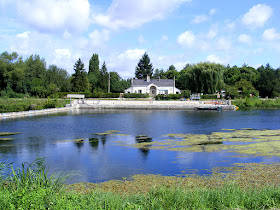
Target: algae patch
{"points": [[8, 133], [110, 132], [244, 142]]}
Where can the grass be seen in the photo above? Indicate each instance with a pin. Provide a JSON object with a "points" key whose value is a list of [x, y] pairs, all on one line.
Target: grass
{"points": [[16, 105], [257, 103], [248, 186]]}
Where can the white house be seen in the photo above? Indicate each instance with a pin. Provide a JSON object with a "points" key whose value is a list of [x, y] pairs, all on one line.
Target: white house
{"points": [[153, 86]]}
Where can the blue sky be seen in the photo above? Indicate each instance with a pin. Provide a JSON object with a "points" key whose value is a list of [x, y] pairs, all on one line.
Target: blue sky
{"points": [[172, 32]]}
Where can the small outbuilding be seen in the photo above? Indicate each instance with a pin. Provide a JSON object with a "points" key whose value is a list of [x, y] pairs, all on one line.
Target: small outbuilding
{"points": [[153, 86]]}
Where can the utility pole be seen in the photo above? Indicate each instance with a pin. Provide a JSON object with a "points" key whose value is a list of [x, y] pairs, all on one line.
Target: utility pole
{"points": [[174, 86], [109, 83]]}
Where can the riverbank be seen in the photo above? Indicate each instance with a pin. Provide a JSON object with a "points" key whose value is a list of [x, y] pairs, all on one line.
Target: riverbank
{"points": [[26, 104], [257, 103], [247, 186]]}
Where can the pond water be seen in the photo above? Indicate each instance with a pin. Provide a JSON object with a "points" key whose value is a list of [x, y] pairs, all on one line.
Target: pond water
{"points": [[100, 157]]}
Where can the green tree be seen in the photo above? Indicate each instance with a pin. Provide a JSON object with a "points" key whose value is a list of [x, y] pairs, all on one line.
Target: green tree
{"points": [[268, 83], [93, 63], [118, 85], [144, 67], [58, 77], [79, 78], [94, 72], [103, 78], [35, 75], [171, 72]]}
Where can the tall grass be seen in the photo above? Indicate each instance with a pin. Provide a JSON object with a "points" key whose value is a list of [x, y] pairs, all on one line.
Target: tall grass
{"points": [[249, 103], [30, 187]]}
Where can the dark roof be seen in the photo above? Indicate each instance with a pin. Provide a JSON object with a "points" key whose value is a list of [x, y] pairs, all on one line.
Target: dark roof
{"points": [[157, 82]]}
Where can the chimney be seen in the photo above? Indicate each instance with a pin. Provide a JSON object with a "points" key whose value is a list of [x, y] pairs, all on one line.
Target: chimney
{"points": [[148, 78]]}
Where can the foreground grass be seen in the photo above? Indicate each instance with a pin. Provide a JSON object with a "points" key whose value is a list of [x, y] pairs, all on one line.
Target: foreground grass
{"points": [[252, 186], [16, 105]]}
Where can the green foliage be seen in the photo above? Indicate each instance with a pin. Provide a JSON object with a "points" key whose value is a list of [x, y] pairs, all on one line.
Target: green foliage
{"points": [[169, 97], [135, 95], [15, 105], [256, 102], [94, 63], [202, 78], [209, 96], [117, 84], [79, 80], [144, 67], [186, 93]]}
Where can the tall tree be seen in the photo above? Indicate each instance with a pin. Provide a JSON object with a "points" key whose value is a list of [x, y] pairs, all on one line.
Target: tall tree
{"points": [[103, 78], [93, 71], [93, 63], [144, 67], [79, 80]]}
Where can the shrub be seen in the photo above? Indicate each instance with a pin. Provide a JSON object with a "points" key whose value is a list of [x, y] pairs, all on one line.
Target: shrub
{"points": [[135, 95]]}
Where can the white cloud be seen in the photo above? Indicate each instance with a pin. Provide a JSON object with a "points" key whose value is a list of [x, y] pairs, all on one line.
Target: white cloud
{"points": [[141, 39], [212, 11], [244, 38], [215, 59], [164, 38], [224, 44], [24, 35], [63, 53], [125, 62], [186, 39], [271, 34], [55, 15], [212, 32], [257, 15], [131, 14], [99, 38], [199, 19]]}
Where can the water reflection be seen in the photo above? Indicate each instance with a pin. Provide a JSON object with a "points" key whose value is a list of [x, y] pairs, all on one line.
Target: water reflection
{"points": [[144, 150], [94, 142], [100, 158], [103, 140], [79, 143]]}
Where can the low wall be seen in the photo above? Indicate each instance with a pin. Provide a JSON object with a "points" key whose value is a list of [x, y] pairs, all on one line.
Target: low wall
{"points": [[118, 104], [122, 104], [33, 112]]}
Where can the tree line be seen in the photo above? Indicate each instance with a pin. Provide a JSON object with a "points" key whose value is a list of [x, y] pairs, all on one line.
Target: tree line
{"points": [[209, 78], [31, 77]]}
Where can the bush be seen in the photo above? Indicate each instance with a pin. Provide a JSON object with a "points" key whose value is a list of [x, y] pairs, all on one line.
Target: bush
{"points": [[209, 96], [135, 95]]}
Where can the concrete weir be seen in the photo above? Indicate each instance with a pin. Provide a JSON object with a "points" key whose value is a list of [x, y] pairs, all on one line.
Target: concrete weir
{"points": [[120, 104], [150, 104]]}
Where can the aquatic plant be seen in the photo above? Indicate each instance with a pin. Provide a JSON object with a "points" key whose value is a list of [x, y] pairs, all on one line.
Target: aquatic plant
{"points": [[245, 142], [8, 133]]}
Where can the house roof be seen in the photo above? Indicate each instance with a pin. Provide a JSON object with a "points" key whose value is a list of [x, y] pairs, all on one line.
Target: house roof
{"points": [[157, 82]]}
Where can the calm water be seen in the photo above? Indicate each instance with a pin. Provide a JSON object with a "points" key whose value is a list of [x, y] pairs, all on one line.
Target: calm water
{"points": [[104, 159]]}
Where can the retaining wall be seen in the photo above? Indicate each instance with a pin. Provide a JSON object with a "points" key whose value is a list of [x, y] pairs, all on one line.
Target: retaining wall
{"points": [[34, 112]]}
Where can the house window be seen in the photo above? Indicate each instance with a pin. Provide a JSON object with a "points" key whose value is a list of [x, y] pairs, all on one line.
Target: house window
{"points": [[139, 91], [177, 92]]}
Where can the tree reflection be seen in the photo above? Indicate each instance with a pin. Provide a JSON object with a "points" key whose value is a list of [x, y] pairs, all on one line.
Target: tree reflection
{"points": [[93, 142], [144, 148], [103, 140], [79, 143]]}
